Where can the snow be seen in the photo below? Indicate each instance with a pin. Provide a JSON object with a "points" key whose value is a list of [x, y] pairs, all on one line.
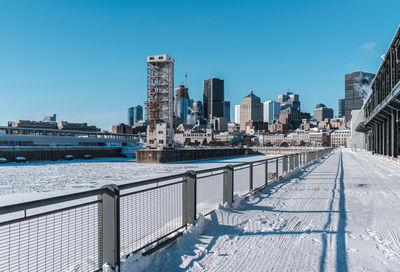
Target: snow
{"points": [[237, 202], [363, 86], [34, 180], [337, 215]]}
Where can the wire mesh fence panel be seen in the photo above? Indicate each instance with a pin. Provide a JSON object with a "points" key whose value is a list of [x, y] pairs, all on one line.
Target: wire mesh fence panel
{"points": [[61, 241], [280, 167], [209, 192], [148, 215], [272, 174], [258, 174], [241, 180]]}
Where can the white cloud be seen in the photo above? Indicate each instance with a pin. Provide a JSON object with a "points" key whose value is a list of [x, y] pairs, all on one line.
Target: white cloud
{"points": [[369, 46]]}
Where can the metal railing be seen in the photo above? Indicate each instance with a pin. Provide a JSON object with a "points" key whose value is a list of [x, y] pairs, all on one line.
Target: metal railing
{"points": [[82, 231]]}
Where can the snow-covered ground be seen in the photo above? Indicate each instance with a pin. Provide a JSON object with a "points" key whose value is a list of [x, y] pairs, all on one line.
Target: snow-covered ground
{"points": [[34, 180], [338, 215]]}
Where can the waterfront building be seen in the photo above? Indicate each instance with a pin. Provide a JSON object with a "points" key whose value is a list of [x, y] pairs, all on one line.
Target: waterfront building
{"points": [[339, 137], [76, 126], [63, 125], [160, 101], [297, 138], [274, 139], [319, 139], [194, 135]]}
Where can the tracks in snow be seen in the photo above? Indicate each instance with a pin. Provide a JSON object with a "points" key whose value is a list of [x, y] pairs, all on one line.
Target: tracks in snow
{"points": [[333, 216]]}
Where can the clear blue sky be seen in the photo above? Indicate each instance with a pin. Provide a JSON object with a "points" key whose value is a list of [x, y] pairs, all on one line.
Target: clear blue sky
{"points": [[86, 60]]}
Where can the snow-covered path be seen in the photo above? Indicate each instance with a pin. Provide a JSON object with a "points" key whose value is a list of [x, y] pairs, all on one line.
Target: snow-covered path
{"points": [[338, 215]]}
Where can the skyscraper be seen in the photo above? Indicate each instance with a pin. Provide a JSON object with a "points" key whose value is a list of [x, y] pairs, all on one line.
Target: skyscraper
{"points": [[290, 109], [182, 103], [160, 100], [213, 98], [251, 109], [237, 114], [341, 109], [197, 114], [321, 112], [271, 111], [135, 114], [357, 90], [227, 110]]}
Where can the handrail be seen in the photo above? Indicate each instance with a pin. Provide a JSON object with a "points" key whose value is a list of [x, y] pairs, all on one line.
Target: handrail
{"points": [[49, 201], [109, 220], [73, 196], [149, 181]]}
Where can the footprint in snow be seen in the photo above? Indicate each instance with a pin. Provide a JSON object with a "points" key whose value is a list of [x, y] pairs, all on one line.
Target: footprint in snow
{"points": [[316, 241]]}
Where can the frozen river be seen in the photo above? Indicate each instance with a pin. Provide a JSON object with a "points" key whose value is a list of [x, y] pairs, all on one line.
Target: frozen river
{"points": [[34, 180]]}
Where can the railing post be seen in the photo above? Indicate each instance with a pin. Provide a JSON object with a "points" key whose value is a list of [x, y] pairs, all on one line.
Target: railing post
{"points": [[189, 198], [297, 160], [228, 185], [109, 226], [293, 161], [277, 168], [285, 164], [266, 172], [250, 177]]}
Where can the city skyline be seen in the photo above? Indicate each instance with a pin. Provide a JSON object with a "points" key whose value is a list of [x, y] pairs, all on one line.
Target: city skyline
{"points": [[94, 73]]}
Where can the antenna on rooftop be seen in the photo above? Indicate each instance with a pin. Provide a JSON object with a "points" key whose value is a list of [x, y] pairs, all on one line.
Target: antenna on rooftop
{"points": [[184, 67]]}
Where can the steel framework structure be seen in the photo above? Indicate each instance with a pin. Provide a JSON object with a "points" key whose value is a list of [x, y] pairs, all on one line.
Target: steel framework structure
{"points": [[160, 96]]}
